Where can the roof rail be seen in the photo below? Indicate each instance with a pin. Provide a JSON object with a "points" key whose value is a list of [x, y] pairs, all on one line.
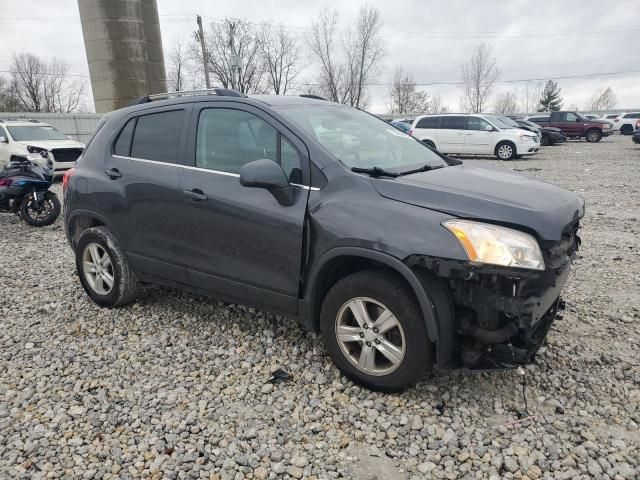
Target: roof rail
{"points": [[315, 97], [32, 120], [221, 92]]}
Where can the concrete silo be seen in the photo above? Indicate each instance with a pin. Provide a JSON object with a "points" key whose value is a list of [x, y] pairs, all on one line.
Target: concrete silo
{"points": [[124, 50]]}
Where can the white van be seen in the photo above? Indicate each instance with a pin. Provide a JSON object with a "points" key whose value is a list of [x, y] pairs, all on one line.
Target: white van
{"points": [[474, 134]]}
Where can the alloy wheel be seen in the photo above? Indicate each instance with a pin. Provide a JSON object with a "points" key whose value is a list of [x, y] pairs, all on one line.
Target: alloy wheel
{"points": [[370, 336], [505, 152], [98, 268]]}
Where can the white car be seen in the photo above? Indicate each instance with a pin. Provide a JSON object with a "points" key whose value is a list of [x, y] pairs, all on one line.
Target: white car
{"points": [[474, 134], [32, 139], [610, 117], [627, 123]]}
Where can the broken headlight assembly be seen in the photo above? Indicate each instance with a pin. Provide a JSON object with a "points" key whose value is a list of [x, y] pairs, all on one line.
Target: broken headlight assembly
{"points": [[485, 243]]}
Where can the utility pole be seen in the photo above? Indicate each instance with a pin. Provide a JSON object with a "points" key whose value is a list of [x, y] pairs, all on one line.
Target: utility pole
{"points": [[233, 57], [204, 51]]}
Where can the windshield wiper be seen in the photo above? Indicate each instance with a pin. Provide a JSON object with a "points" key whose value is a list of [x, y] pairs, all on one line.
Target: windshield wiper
{"points": [[375, 172], [424, 168]]}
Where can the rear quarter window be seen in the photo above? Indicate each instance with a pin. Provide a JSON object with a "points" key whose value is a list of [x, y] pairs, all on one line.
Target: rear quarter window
{"points": [[122, 146], [429, 122]]}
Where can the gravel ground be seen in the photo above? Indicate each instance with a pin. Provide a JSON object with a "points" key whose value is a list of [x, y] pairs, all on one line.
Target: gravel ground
{"points": [[177, 385]]}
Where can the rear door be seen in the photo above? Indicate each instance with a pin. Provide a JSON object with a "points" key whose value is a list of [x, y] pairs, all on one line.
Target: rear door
{"points": [[479, 137], [451, 135], [243, 244], [143, 198]]}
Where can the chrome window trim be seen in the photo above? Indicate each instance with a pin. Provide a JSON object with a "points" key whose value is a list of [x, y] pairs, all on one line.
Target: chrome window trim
{"points": [[199, 169]]}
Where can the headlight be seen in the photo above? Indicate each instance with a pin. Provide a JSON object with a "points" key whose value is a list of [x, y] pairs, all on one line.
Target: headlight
{"points": [[526, 138], [486, 243], [40, 151]]}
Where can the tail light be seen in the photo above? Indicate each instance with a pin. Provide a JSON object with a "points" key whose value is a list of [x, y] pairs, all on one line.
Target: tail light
{"points": [[411, 131], [638, 125], [66, 177], [5, 182]]}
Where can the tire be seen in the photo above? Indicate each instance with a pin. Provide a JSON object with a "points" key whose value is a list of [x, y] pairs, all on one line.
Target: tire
{"points": [[626, 130], [545, 140], [380, 292], [91, 248], [505, 151], [47, 214], [593, 136]]}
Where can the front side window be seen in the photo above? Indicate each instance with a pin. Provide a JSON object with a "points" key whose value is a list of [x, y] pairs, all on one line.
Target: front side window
{"points": [[571, 117], [358, 139], [228, 139], [36, 132], [453, 123], [476, 123], [157, 136]]}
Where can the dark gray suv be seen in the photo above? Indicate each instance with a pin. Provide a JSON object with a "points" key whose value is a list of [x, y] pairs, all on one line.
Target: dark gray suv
{"points": [[403, 259]]}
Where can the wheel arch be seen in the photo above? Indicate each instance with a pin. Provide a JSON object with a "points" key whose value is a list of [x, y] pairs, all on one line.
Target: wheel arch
{"points": [[81, 220], [342, 261], [502, 141]]}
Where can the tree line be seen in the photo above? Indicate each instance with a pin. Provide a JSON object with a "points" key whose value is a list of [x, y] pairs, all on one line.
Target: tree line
{"points": [[340, 63]]}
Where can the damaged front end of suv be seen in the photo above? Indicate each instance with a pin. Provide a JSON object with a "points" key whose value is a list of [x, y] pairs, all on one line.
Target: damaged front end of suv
{"points": [[505, 298]]}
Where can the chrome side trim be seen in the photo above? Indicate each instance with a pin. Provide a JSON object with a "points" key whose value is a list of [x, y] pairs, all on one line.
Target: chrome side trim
{"points": [[205, 170]]}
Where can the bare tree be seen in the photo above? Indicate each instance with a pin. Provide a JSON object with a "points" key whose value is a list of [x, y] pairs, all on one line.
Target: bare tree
{"points": [[38, 86], [530, 96], [478, 76], [403, 96], [178, 66], [281, 56], [323, 45], [505, 103], [437, 106], [7, 98], [603, 100], [363, 49], [234, 51]]}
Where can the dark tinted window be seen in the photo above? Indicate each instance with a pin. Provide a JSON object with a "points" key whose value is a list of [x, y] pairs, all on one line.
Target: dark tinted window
{"points": [[476, 123], [539, 119], [227, 139], [429, 122], [453, 123], [123, 143], [632, 115], [157, 136]]}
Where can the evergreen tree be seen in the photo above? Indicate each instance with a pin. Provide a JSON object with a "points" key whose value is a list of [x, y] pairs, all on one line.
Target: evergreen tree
{"points": [[550, 101]]}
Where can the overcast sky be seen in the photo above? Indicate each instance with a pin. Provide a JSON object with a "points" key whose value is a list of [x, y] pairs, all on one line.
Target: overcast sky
{"points": [[531, 39]]}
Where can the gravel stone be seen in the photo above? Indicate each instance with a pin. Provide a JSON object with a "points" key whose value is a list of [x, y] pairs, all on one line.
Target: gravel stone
{"points": [[173, 386]]}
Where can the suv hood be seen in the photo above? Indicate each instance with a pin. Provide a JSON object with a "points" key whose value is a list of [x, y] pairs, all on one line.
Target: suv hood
{"points": [[51, 144], [552, 129], [491, 195]]}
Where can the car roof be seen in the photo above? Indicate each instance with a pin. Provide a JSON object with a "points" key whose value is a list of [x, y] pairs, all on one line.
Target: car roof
{"points": [[23, 123]]}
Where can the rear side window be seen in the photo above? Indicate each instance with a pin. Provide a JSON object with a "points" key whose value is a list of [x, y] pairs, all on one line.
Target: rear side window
{"points": [[157, 136], [429, 122], [123, 143], [632, 115], [454, 123]]}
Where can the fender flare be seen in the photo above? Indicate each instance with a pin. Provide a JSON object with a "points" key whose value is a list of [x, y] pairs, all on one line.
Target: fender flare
{"points": [[425, 302], [70, 219]]}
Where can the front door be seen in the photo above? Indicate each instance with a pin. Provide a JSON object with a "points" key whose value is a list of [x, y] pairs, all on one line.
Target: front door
{"points": [[570, 124], [479, 137], [243, 244], [451, 134]]}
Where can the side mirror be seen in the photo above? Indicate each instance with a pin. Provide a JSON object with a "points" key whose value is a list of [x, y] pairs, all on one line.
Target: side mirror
{"points": [[578, 120], [268, 174], [3, 139], [489, 128]]}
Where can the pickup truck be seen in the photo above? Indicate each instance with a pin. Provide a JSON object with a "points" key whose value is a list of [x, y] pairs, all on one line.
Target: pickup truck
{"points": [[574, 125]]}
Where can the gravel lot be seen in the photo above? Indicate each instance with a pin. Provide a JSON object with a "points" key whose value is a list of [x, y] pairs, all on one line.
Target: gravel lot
{"points": [[177, 385]]}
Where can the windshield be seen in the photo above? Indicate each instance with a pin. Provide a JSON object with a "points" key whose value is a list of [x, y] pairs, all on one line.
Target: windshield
{"points": [[359, 139], [37, 132], [500, 122]]}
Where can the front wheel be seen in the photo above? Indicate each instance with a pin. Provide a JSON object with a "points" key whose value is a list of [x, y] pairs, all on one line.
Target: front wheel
{"points": [[545, 140], [373, 329], [505, 151], [45, 213], [593, 136]]}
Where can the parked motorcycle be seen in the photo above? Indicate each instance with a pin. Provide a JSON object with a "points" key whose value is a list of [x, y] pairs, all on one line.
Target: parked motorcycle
{"points": [[24, 190]]}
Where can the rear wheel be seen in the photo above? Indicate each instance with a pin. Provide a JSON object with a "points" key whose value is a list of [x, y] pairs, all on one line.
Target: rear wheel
{"points": [[373, 330], [103, 268], [505, 151], [626, 130], [593, 136], [47, 211]]}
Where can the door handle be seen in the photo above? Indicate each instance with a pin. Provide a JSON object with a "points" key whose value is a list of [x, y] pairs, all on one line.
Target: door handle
{"points": [[195, 195], [113, 173]]}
